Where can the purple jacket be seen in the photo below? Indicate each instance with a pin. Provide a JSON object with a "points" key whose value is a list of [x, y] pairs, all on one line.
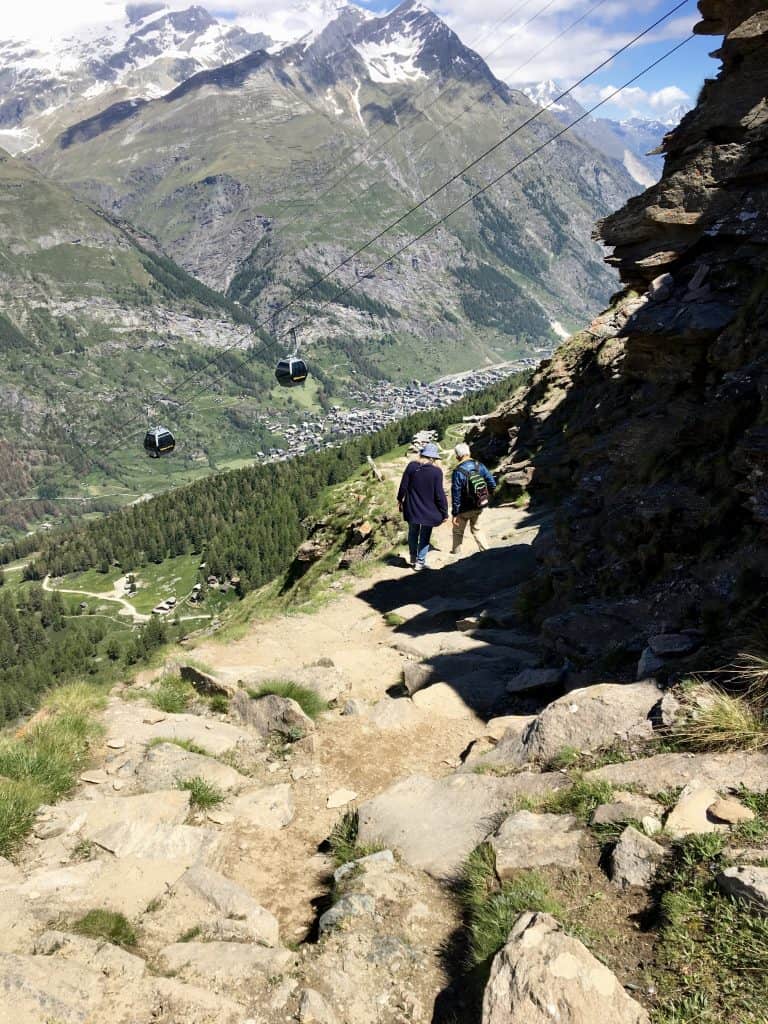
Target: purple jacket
{"points": [[422, 494]]}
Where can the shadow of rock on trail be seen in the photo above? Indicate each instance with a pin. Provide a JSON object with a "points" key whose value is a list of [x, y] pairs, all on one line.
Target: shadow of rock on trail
{"points": [[479, 660]]}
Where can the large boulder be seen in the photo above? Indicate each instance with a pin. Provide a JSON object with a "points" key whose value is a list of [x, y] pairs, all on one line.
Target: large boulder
{"points": [[272, 714], [178, 843], [166, 764], [84, 818], [526, 840], [590, 719], [434, 824], [543, 975]]}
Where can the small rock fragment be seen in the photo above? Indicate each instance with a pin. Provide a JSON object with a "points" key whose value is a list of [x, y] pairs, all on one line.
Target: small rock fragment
{"points": [[95, 778], [651, 826], [730, 811], [340, 798], [746, 882], [689, 816], [635, 859]]}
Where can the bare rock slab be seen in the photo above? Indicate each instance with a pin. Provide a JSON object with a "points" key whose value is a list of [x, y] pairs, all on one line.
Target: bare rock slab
{"points": [[165, 764], [127, 720], [442, 701], [267, 808], [109, 960], [669, 771], [635, 859], [590, 719], [183, 843], [18, 925], [543, 975], [223, 964], [86, 818], [435, 823], [127, 886], [206, 683], [746, 882], [527, 840], [35, 989], [233, 902]]}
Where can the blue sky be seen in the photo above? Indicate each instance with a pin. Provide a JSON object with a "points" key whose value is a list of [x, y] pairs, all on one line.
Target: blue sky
{"points": [[507, 33]]}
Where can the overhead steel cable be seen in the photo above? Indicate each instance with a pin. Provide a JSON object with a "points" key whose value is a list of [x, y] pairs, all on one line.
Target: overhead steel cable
{"points": [[306, 291], [468, 201], [123, 429]]}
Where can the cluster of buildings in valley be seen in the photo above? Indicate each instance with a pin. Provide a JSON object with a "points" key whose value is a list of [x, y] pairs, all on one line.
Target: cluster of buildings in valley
{"points": [[372, 407]]}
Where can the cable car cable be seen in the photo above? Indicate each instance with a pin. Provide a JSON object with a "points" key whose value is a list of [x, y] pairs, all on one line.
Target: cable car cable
{"points": [[128, 423], [455, 177], [482, 190]]}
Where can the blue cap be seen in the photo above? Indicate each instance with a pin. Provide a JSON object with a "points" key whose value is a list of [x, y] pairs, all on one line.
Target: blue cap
{"points": [[430, 451]]}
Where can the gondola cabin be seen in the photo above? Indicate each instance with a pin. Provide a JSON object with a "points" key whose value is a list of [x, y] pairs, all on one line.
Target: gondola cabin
{"points": [[159, 441], [291, 371]]}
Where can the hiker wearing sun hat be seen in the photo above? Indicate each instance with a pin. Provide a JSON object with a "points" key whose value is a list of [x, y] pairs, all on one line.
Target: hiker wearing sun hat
{"points": [[422, 501]]}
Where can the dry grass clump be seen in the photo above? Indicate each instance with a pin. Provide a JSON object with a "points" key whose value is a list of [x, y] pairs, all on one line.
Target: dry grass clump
{"points": [[713, 720]]}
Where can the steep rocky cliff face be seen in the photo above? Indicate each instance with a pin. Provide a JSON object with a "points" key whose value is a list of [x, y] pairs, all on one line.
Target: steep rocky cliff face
{"points": [[648, 431]]}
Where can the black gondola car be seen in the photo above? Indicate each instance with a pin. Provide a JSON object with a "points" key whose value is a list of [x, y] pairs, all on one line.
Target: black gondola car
{"points": [[159, 441], [291, 371]]}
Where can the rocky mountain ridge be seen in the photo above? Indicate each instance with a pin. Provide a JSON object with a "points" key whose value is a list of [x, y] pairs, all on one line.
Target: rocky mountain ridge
{"points": [[263, 207], [647, 430]]}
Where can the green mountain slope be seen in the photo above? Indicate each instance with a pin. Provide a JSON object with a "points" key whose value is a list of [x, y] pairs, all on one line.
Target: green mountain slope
{"points": [[248, 206], [94, 330]]}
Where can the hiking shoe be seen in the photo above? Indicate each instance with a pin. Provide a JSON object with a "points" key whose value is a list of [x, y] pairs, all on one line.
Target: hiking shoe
{"points": [[418, 566]]}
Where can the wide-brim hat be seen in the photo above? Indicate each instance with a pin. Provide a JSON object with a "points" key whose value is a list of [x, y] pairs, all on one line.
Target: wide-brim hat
{"points": [[430, 451]]}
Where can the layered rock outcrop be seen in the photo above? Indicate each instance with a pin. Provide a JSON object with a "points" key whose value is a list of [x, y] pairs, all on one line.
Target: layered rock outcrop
{"points": [[649, 430]]}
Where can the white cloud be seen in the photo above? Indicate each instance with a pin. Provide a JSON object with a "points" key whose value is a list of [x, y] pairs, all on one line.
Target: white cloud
{"points": [[634, 101]]}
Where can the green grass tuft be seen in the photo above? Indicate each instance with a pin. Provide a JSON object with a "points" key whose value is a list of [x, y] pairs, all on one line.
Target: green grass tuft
{"points": [[394, 620], [107, 925], [491, 908], [714, 720], [190, 745], [172, 695], [581, 798], [202, 793], [42, 765], [565, 758], [308, 700], [712, 952], [344, 843], [191, 934], [219, 704]]}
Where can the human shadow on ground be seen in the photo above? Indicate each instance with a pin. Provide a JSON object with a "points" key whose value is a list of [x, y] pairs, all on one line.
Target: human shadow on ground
{"points": [[476, 666]]}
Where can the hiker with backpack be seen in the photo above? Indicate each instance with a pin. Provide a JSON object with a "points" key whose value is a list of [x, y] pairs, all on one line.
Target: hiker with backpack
{"points": [[471, 488], [422, 501]]}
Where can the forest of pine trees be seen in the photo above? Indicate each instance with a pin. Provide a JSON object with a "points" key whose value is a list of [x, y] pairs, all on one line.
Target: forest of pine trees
{"points": [[247, 522], [41, 645]]}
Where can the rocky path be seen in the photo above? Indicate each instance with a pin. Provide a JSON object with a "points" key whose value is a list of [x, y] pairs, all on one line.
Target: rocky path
{"points": [[208, 829]]}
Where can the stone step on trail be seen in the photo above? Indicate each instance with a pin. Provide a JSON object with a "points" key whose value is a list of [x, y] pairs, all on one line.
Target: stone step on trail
{"points": [[126, 886], [434, 824], [723, 772], [166, 764], [126, 720]]}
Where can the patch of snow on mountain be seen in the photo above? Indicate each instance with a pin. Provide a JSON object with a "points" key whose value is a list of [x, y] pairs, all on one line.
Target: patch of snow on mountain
{"points": [[542, 94], [393, 60]]}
